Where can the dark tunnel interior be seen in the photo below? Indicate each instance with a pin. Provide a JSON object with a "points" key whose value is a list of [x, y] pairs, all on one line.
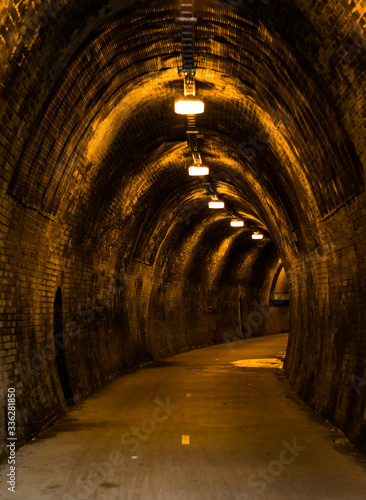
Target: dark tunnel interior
{"points": [[110, 256]]}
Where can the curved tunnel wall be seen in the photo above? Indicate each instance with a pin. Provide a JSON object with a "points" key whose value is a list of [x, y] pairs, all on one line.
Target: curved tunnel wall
{"points": [[95, 198]]}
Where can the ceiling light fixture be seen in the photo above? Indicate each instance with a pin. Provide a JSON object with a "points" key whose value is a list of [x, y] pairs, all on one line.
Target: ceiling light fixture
{"points": [[237, 223], [257, 236], [215, 203], [196, 170], [189, 106]]}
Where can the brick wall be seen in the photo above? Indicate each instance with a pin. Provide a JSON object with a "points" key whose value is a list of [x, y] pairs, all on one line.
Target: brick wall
{"points": [[327, 322]]}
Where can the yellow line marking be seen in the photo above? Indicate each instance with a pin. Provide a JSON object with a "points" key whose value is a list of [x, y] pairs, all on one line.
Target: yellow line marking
{"points": [[185, 439]]}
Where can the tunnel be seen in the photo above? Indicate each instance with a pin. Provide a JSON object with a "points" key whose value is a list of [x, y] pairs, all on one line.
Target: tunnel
{"points": [[111, 258]]}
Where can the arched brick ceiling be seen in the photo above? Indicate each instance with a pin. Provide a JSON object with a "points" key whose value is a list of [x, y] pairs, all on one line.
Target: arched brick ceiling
{"points": [[100, 139]]}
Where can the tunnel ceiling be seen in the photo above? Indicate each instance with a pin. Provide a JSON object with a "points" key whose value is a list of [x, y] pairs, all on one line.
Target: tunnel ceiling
{"points": [[99, 141]]}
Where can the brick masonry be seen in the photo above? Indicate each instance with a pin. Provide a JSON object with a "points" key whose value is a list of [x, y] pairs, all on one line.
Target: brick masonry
{"points": [[95, 200]]}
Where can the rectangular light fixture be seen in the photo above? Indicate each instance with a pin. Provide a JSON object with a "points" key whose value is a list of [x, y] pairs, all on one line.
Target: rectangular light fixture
{"points": [[216, 204], [189, 107], [195, 170], [237, 223], [257, 236]]}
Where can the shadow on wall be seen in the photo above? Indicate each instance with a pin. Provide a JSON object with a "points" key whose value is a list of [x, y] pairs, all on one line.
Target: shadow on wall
{"points": [[60, 349]]}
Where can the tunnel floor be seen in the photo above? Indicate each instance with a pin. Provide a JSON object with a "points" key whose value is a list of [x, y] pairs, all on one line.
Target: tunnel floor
{"points": [[216, 423]]}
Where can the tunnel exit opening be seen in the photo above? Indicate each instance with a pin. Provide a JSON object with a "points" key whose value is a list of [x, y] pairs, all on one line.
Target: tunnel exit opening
{"points": [[279, 296], [60, 349], [279, 301]]}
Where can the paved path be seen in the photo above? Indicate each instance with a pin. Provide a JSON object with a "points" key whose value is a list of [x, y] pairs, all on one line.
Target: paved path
{"points": [[198, 426]]}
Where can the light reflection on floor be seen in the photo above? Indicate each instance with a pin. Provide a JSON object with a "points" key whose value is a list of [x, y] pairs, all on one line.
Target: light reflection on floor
{"points": [[259, 363]]}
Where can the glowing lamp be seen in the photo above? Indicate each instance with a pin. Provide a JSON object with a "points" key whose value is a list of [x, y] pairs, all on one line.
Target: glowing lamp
{"points": [[257, 236], [237, 223], [189, 106], [194, 170], [216, 204]]}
